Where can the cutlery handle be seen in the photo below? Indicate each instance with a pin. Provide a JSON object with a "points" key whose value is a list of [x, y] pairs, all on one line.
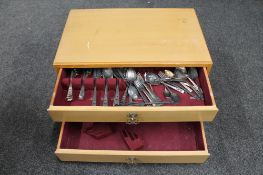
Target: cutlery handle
{"points": [[70, 88], [174, 87], [194, 84], [82, 92], [123, 99], [70, 93], [186, 87], [149, 97], [172, 79], [82, 89], [141, 94], [151, 93], [149, 103], [116, 100], [105, 99], [94, 98]]}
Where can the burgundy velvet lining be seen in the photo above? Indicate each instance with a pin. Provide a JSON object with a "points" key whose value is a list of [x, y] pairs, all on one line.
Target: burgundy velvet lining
{"points": [[180, 136], [100, 82]]}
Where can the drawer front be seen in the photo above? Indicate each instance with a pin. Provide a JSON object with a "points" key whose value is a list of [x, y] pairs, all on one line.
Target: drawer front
{"points": [[142, 113], [125, 114], [132, 157]]}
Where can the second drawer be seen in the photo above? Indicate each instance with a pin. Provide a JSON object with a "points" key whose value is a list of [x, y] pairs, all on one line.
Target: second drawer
{"points": [[182, 142]]}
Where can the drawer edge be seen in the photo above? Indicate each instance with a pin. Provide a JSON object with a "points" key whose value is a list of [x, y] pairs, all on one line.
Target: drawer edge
{"points": [[119, 114], [139, 156], [127, 156]]}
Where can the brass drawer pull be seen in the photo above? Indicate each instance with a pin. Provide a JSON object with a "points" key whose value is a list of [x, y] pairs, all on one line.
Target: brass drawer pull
{"points": [[132, 119], [132, 160]]}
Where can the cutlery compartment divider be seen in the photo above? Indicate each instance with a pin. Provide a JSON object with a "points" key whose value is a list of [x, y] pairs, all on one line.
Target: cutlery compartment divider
{"points": [[100, 83]]}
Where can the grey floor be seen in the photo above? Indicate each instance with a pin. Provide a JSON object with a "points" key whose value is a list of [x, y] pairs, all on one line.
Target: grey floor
{"points": [[30, 31]]}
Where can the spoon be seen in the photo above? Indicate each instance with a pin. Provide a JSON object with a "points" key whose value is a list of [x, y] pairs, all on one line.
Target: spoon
{"points": [[133, 93], [192, 72], [107, 73], [166, 93], [182, 69], [179, 74], [152, 79], [138, 84], [169, 73], [156, 80], [130, 75], [174, 97]]}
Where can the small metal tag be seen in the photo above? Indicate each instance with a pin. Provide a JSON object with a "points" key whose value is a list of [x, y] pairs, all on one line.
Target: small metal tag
{"points": [[132, 119]]}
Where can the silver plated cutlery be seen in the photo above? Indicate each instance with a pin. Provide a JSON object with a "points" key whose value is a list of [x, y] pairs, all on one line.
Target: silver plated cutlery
{"points": [[86, 73], [138, 86], [107, 73], [69, 96], [174, 97], [116, 99], [96, 74]]}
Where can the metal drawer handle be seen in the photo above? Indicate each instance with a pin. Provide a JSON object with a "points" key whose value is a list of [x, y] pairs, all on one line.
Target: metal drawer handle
{"points": [[132, 119], [132, 160]]}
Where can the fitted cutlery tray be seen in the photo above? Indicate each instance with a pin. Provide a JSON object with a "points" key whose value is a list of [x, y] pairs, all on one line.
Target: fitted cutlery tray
{"points": [[176, 142], [188, 109]]}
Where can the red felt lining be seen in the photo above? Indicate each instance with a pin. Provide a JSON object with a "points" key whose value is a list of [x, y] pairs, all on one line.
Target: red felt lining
{"points": [[100, 82], [174, 136]]}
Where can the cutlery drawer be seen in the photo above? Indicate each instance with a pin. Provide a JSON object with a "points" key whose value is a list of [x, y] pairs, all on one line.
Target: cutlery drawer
{"points": [[175, 142], [82, 110]]}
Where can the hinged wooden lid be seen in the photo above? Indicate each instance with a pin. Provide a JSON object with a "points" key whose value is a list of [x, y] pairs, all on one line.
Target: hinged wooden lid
{"points": [[132, 37]]}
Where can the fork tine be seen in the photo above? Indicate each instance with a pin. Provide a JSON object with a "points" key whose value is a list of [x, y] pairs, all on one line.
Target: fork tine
{"points": [[161, 74]]}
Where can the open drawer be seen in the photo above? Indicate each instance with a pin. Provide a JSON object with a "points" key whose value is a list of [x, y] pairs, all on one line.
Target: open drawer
{"points": [[82, 111], [175, 142]]}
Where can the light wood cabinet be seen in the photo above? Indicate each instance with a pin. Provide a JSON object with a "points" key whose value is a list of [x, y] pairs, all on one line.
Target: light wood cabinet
{"points": [[137, 38]]}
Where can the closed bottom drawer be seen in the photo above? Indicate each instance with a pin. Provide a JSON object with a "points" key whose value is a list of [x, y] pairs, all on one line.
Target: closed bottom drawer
{"points": [[175, 142]]}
